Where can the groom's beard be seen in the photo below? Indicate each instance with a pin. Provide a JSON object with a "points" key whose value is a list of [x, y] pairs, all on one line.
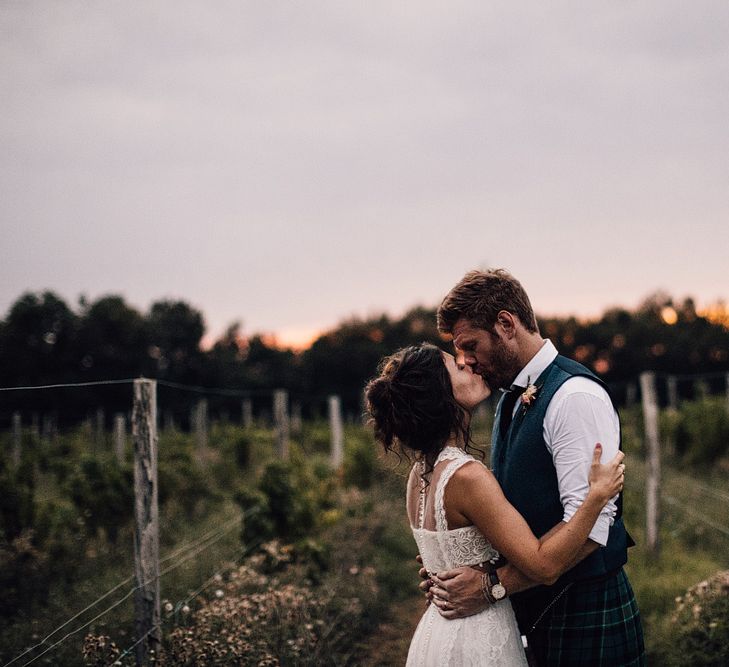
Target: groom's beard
{"points": [[503, 367]]}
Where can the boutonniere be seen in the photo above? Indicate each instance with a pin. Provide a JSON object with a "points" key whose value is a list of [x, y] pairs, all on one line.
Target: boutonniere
{"points": [[529, 395]]}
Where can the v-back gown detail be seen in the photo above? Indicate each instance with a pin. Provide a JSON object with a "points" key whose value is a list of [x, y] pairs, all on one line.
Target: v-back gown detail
{"points": [[489, 638]]}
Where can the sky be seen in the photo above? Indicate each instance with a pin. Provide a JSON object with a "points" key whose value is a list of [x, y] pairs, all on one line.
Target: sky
{"points": [[290, 165]]}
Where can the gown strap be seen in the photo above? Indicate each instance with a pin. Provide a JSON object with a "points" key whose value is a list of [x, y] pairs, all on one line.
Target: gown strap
{"points": [[441, 523]]}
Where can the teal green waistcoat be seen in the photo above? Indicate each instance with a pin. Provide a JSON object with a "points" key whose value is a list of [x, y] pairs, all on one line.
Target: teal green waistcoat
{"points": [[523, 466]]}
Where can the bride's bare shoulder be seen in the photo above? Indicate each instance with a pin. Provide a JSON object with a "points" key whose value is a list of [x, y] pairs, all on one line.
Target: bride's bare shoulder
{"points": [[473, 472]]}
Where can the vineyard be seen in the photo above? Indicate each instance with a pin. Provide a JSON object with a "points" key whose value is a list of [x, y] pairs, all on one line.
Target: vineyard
{"points": [[296, 562]]}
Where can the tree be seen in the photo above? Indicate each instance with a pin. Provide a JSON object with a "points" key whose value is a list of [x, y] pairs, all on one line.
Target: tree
{"points": [[112, 340], [36, 340], [175, 332]]}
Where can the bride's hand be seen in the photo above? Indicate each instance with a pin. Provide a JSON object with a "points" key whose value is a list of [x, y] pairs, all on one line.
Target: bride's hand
{"points": [[606, 480]]}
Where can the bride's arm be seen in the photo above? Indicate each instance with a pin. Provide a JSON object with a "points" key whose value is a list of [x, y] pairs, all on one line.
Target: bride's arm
{"points": [[475, 494], [412, 496], [515, 581]]}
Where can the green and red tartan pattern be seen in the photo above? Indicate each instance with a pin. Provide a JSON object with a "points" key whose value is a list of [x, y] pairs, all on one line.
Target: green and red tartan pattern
{"points": [[593, 624]]}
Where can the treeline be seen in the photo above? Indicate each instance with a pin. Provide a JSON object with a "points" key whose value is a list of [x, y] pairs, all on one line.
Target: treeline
{"points": [[44, 341]]}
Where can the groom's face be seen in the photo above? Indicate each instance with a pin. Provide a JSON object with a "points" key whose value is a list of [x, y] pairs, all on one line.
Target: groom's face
{"points": [[487, 353]]}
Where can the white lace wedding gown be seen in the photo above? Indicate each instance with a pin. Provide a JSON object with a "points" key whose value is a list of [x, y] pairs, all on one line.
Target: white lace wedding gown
{"points": [[490, 638]]}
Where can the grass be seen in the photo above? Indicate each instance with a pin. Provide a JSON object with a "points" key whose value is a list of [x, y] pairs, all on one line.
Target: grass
{"points": [[103, 567], [689, 550], [368, 530]]}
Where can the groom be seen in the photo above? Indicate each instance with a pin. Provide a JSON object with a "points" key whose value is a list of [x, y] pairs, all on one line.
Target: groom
{"points": [[551, 414]]}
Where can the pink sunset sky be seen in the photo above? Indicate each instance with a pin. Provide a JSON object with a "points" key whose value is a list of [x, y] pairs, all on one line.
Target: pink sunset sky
{"points": [[293, 165]]}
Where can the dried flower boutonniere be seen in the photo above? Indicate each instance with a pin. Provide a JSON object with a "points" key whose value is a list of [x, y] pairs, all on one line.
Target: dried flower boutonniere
{"points": [[529, 395]]}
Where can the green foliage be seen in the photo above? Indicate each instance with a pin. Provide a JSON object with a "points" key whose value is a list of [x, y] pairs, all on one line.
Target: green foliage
{"points": [[103, 493], [289, 500], [359, 462], [697, 632], [17, 501], [22, 572], [290, 622], [184, 484], [109, 338], [37, 545], [56, 533], [242, 451], [316, 437], [257, 523], [699, 431], [43, 340], [314, 555], [287, 504]]}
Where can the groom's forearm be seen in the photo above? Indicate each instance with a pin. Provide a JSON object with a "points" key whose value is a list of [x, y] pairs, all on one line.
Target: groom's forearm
{"points": [[515, 581]]}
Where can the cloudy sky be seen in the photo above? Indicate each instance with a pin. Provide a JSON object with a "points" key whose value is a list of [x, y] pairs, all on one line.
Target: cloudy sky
{"points": [[292, 164]]}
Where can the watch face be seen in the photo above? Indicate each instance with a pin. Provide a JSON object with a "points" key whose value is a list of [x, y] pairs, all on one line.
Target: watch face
{"points": [[498, 592]]}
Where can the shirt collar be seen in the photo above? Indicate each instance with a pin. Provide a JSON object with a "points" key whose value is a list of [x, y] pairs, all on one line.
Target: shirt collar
{"points": [[536, 365]]}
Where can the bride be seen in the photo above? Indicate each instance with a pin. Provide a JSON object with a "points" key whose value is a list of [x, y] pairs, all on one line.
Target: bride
{"points": [[421, 402]]}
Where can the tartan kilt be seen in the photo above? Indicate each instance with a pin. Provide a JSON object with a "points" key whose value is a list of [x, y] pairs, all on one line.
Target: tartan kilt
{"points": [[593, 623]]}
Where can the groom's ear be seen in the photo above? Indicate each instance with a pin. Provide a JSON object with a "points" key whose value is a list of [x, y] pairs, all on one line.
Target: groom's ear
{"points": [[506, 321]]}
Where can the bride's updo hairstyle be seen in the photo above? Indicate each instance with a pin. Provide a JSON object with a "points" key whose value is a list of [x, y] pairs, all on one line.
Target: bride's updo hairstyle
{"points": [[411, 404]]}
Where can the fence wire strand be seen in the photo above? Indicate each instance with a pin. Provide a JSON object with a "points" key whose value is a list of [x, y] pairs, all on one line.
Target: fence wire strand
{"points": [[127, 651], [196, 546], [695, 515], [68, 384]]}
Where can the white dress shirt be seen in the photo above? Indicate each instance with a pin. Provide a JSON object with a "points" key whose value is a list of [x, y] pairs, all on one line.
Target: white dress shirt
{"points": [[579, 415]]}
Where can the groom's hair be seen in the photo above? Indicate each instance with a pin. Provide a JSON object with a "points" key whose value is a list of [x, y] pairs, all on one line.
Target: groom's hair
{"points": [[480, 295]]}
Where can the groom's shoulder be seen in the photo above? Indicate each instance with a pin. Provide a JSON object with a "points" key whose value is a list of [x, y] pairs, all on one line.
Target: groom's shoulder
{"points": [[572, 367], [574, 378]]}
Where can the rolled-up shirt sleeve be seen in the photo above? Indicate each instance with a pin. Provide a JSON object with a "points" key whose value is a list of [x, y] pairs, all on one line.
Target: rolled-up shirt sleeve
{"points": [[580, 415]]}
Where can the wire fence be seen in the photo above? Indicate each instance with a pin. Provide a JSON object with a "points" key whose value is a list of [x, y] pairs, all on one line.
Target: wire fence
{"points": [[145, 418], [217, 576], [185, 553], [193, 548]]}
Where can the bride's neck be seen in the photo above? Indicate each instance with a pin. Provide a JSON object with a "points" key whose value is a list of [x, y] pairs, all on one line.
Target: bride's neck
{"points": [[456, 440]]}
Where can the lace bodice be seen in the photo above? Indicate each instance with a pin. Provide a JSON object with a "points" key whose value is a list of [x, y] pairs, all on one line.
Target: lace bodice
{"points": [[443, 549], [489, 638]]}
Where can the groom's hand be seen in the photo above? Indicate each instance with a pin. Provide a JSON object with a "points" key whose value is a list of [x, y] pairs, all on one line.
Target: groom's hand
{"points": [[458, 593], [427, 582]]}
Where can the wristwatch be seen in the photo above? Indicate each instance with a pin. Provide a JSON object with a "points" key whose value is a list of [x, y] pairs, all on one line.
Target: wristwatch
{"points": [[495, 588]]}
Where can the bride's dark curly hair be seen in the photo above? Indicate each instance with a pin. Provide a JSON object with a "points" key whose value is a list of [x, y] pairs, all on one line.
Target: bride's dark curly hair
{"points": [[412, 407]]}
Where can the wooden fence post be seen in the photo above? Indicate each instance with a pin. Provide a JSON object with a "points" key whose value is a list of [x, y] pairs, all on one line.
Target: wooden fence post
{"points": [[363, 407], [653, 460], [246, 409], [630, 394], [201, 426], [672, 392], [281, 422], [47, 427], [35, 427], [701, 388], [99, 431], [17, 439], [146, 514], [169, 421], [120, 437], [296, 417], [337, 431]]}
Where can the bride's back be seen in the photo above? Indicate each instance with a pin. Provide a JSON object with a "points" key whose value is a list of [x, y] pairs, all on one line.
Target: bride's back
{"points": [[442, 547]]}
